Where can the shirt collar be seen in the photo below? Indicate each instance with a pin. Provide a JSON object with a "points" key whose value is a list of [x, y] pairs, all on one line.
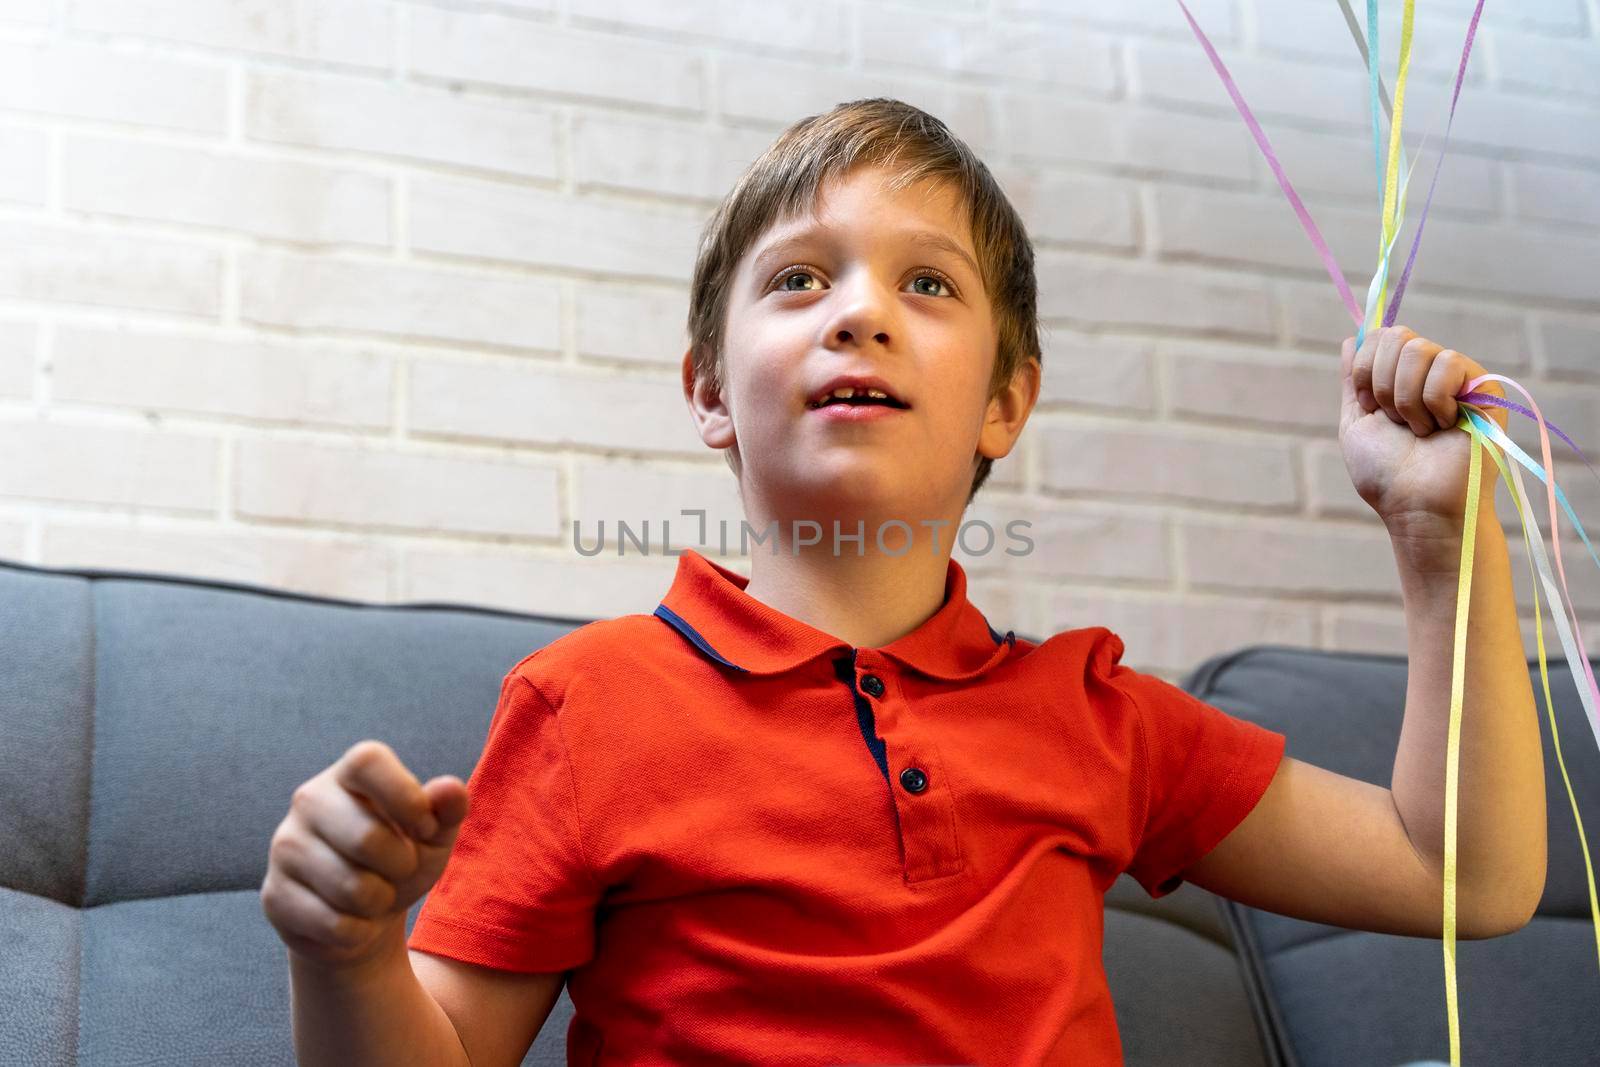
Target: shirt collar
{"points": [[708, 605]]}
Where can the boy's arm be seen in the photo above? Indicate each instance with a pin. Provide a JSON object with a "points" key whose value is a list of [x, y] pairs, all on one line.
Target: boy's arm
{"points": [[1329, 848], [378, 1014]]}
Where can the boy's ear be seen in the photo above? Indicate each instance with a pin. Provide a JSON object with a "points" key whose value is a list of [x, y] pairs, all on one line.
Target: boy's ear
{"points": [[711, 416], [1008, 412]]}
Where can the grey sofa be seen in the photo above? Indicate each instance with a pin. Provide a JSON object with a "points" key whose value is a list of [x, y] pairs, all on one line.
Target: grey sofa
{"points": [[152, 729]]}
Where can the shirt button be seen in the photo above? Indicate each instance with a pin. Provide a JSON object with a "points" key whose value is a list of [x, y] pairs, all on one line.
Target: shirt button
{"points": [[873, 685], [914, 780]]}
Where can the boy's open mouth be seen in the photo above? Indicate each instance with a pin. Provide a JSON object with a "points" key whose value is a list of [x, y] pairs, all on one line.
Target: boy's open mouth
{"points": [[856, 398]]}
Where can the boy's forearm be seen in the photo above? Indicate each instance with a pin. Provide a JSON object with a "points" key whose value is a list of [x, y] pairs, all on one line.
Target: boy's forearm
{"points": [[381, 1015], [1500, 829]]}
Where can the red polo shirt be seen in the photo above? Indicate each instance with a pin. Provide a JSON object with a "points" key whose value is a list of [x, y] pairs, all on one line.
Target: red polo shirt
{"points": [[753, 843]]}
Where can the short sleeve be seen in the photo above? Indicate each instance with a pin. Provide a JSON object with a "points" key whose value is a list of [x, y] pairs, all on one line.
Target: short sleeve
{"points": [[517, 892], [1203, 772]]}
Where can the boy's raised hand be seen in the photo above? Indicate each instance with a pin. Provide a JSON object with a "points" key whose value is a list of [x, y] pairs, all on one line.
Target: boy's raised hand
{"points": [[1397, 430], [363, 840]]}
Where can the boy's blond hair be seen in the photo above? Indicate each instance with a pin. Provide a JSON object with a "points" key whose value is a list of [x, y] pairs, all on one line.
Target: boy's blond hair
{"points": [[783, 183]]}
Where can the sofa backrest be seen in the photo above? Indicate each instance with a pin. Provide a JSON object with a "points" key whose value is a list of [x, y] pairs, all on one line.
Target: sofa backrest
{"points": [[152, 729]]}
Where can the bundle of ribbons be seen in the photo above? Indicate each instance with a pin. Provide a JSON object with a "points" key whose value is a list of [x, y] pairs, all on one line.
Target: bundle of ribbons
{"points": [[1484, 432]]}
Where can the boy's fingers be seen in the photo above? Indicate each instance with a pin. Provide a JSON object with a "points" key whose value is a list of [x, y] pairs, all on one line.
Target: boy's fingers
{"points": [[372, 770], [447, 796]]}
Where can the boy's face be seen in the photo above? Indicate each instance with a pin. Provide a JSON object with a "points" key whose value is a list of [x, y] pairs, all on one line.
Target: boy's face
{"points": [[852, 293]]}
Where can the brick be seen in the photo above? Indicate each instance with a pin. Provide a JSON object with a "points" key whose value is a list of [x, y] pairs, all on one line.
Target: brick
{"points": [[817, 29], [631, 324], [24, 165], [1159, 144], [491, 49], [1380, 631], [1495, 259], [27, 12], [1072, 210], [1536, 63], [1009, 471], [18, 341], [399, 300], [1318, 31], [1277, 90], [1076, 542], [660, 156], [266, 198], [777, 91], [541, 405], [1506, 259], [1098, 372], [1242, 388], [1583, 577], [90, 82], [1561, 17], [1581, 490], [108, 465], [1090, 289], [410, 489], [970, 113], [1496, 338], [982, 46], [1173, 634], [1377, 631], [1538, 128], [636, 493], [488, 220], [1203, 224], [1039, 129], [402, 121], [564, 585], [1004, 604], [206, 375], [1216, 17], [1329, 489], [1569, 346], [1103, 457], [71, 265], [1319, 166], [1288, 556], [355, 568], [543, 8], [357, 32], [14, 540], [1555, 194]]}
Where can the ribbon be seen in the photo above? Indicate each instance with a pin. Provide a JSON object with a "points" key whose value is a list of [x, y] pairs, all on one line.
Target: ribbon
{"points": [[1484, 433]]}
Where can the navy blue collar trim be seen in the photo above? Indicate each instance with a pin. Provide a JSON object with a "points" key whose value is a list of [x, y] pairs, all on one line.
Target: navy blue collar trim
{"points": [[693, 635], [1010, 637], [683, 627]]}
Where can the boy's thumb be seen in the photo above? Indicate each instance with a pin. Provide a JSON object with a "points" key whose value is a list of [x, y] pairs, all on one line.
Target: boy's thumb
{"points": [[447, 796]]}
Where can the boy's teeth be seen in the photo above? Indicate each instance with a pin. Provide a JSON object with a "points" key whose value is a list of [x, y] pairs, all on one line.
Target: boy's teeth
{"points": [[848, 392]]}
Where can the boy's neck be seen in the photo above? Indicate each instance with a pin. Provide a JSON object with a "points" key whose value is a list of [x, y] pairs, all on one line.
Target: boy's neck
{"points": [[867, 601]]}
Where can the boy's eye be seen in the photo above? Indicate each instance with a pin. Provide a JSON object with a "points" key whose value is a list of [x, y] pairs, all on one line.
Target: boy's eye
{"points": [[782, 281]]}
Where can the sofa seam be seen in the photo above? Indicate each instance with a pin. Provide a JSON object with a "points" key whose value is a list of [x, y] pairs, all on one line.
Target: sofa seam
{"points": [[88, 808]]}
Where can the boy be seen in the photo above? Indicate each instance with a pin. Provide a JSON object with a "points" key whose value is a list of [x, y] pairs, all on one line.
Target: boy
{"points": [[828, 814]]}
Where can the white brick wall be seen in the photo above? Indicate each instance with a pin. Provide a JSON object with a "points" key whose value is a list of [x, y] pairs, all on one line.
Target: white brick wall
{"points": [[373, 298]]}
